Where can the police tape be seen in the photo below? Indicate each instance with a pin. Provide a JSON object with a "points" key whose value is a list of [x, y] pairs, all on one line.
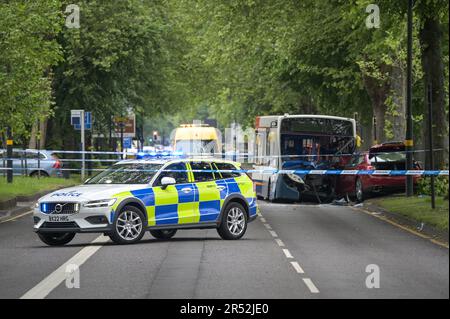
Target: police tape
{"points": [[275, 171]]}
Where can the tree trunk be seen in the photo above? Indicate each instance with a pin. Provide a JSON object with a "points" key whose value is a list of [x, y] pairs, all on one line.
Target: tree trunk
{"points": [[42, 134], [397, 113], [430, 37], [378, 91]]}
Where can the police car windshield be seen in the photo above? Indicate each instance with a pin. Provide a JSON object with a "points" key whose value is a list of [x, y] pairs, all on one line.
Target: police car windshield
{"points": [[130, 173]]}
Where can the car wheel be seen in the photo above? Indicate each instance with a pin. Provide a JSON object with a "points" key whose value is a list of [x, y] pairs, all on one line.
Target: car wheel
{"points": [[234, 222], [128, 227], [359, 191], [163, 233], [36, 174], [56, 239]]}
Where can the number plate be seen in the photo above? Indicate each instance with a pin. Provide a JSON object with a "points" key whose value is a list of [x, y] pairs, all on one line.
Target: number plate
{"points": [[58, 218]]}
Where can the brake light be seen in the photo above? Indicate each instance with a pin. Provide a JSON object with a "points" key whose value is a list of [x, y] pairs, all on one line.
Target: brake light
{"points": [[57, 164]]}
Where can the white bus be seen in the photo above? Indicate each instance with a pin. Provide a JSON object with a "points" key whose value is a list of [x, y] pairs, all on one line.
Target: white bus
{"points": [[300, 142]]}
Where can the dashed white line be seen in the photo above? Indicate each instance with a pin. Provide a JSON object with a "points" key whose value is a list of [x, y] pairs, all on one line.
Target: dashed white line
{"points": [[297, 267], [279, 242], [287, 253], [262, 219], [311, 285], [42, 289], [268, 226], [274, 234]]}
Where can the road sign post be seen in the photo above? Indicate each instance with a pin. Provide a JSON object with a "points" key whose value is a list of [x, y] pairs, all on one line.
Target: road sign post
{"points": [[82, 120]]}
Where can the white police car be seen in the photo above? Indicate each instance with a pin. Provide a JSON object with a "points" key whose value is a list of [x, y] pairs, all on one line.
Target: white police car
{"points": [[158, 195]]}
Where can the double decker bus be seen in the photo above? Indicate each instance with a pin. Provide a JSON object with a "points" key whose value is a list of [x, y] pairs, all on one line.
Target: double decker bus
{"points": [[300, 142]]}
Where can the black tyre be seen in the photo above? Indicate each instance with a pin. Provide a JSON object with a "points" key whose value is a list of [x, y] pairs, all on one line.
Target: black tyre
{"points": [[56, 239], [163, 233], [36, 174], [359, 191], [234, 222], [128, 226]]}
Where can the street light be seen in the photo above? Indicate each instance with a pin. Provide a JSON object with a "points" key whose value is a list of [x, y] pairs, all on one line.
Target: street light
{"points": [[409, 143]]}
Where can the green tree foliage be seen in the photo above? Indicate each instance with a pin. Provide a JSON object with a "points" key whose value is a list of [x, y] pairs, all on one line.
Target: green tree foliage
{"points": [[123, 57], [28, 50]]}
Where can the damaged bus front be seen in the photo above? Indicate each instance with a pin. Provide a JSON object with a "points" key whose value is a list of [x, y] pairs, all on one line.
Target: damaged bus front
{"points": [[301, 142]]}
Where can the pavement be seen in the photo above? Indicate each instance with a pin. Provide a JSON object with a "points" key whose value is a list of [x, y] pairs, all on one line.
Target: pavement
{"points": [[290, 251]]}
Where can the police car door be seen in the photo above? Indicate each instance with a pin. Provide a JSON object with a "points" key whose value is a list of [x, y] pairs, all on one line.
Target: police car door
{"points": [[174, 204], [208, 192]]}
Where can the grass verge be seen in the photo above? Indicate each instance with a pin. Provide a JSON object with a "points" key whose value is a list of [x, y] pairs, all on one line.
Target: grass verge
{"points": [[24, 186], [417, 208]]}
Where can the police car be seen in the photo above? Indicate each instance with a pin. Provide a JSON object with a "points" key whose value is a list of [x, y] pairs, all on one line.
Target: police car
{"points": [[159, 195]]}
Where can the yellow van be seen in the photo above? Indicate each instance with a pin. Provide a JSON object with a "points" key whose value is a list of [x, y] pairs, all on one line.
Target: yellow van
{"points": [[197, 139]]}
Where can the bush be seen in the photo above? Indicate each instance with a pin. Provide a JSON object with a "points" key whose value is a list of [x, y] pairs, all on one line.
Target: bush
{"points": [[440, 186]]}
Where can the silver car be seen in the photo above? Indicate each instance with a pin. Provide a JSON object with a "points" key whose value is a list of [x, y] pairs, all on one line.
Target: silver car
{"points": [[26, 162]]}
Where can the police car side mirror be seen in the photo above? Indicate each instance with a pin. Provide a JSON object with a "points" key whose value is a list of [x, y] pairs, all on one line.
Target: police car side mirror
{"points": [[166, 181]]}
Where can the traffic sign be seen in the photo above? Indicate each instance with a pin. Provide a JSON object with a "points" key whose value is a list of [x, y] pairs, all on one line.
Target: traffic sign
{"points": [[127, 142]]}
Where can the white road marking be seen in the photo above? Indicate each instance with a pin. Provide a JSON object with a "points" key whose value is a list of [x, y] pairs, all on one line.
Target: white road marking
{"points": [[297, 267], [268, 226], [274, 234], [311, 285], [262, 219], [287, 253], [279, 242], [16, 217], [42, 289]]}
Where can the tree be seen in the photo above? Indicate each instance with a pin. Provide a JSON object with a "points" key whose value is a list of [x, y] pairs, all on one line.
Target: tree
{"points": [[28, 51]]}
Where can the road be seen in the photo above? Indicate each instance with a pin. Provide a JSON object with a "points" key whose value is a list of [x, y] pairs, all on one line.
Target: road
{"points": [[291, 251]]}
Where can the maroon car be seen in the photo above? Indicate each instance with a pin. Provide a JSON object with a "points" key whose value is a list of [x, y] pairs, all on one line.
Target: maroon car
{"points": [[386, 156]]}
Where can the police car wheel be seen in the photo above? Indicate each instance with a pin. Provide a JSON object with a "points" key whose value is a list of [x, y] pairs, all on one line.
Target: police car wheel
{"points": [[234, 222], [128, 226], [56, 239], [163, 233]]}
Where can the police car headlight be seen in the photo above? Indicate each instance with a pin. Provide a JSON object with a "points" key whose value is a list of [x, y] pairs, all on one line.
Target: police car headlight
{"points": [[36, 205], [100, 203]]}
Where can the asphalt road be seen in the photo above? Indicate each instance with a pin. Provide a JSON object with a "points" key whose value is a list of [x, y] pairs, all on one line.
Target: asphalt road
{"points": [[291, 251]]}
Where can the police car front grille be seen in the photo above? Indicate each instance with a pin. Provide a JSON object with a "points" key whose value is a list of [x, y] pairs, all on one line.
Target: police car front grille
{"points": [[63, 209]]}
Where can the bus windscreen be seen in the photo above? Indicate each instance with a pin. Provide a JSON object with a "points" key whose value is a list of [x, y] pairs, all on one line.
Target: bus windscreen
{"points": [[312, 125]]}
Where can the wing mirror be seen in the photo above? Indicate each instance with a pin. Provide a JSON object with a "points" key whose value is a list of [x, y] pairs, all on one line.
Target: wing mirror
{"points": [[166, 181]]}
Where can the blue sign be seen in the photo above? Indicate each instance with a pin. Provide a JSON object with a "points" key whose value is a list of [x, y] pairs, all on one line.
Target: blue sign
{"points": [[75, 121], [127, 142]]}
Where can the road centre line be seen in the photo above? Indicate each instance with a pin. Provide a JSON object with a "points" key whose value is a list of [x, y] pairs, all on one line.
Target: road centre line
{"points": [[279, 242], [274, 234], [311, 285], [48, 284], [262, 219], [287, 253], [297, 267], [268, 226]]}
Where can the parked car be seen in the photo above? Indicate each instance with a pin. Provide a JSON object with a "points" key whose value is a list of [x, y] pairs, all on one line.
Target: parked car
{"points": [[386, 156], [26, 162]]}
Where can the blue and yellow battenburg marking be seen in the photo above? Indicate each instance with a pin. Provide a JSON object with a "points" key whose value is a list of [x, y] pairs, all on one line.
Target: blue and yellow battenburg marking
{"points": [[191, 202]]}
